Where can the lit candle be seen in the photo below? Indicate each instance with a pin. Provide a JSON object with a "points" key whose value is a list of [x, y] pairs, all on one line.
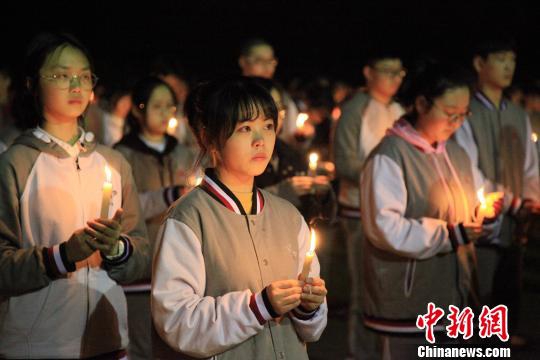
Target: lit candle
{"points": [[309, 257], [301, 120], [198, 180], [171, 127], [107, 192], [486, 209], [313, 159], [534, 137]]}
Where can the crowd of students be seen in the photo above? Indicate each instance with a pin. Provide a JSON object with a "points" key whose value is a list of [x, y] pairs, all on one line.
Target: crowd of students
{"points": [[200, 248]]}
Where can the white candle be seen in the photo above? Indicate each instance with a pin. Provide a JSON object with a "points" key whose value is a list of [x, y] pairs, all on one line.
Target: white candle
{"points": [[301, 119], [171, 127], [107, 193], [309, 257], [313, 160]]}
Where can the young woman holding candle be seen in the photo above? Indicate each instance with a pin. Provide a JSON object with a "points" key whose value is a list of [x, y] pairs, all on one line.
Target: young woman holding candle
{"points": [[418, 200], [161, 168], [226, 269], [61, 262]]}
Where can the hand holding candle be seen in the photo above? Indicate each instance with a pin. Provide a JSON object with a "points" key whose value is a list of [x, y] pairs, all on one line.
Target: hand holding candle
{"points": [[489, 206], [309, 257], [107, 193]]}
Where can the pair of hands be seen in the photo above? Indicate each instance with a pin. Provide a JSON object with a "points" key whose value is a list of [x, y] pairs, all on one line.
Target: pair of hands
{"points": [[303, 185], [100, 234], [285, 295], [475, 230]]}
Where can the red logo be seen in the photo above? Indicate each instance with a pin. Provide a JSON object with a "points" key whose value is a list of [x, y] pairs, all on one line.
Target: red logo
{"points": [[490, 322], [429, 320], [460, 322], [494, 322]]}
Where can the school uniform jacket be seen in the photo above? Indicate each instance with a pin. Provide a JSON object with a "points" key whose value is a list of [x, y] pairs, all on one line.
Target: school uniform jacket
{"points": [[361, 126], [49, 307], [211, 266], [499, 142], [413, 197]]}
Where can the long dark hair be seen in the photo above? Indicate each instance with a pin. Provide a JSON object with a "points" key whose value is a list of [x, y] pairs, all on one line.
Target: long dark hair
{"points": [[28, 107]]}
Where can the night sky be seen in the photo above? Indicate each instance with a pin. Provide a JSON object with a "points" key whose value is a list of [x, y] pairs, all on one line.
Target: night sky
{"points": [[311, 38]]}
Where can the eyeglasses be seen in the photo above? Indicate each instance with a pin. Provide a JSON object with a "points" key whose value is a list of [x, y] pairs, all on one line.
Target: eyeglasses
{"points": [[63, 81], [167, 109], [265, 62], [401, 73], [454, 118]]}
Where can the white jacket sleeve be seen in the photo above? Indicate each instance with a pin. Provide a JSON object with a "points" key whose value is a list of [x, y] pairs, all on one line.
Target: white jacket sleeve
{"points": [[308, 326], [531, 180], [383, 203], [188, 321]]}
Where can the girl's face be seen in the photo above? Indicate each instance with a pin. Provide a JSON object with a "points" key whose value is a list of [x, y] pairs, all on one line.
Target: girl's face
{"points": [[438, 122], [65, 85], [248, 150], [159, 109]]}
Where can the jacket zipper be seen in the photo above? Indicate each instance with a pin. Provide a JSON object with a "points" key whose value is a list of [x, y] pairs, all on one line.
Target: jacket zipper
{"points": [[87, 272]]}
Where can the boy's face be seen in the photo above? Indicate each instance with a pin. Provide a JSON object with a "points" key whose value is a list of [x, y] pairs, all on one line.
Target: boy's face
{"points": [[385, 76], [497, 69], [260, 62]]}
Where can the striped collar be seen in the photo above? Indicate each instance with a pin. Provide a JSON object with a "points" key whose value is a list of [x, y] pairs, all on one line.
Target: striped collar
{"points": [[222, 194], [484, 100]]}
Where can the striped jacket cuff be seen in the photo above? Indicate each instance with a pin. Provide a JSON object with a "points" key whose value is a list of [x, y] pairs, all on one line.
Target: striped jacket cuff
{"points": [[171, 194], [302, 313], [262, 308], [457, 235], [515, 206], [56, 262], [123, 256]]}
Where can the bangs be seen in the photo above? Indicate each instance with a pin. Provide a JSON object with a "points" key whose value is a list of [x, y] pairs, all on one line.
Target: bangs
{"points": [[247, 101]]}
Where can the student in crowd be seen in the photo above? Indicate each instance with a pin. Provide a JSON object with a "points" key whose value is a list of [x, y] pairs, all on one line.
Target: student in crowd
{"points": [[257, 58], [418, 200], [363, 122], [287, 173], [161, 167], [61, 260], [497, 136], [226, 269]]}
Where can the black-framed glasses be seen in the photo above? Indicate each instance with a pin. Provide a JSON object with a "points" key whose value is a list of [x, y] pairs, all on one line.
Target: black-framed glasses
{"points": [[454, 118], [260, 61], [63, 81], [401, 73]]}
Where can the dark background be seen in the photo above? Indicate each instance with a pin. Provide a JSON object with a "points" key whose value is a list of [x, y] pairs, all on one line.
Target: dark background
{"points": [[311, 38]]}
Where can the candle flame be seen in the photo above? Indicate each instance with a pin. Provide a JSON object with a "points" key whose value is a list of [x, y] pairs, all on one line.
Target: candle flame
{"points": [[198, 180], [313, 158], [313, 242], [534, 137], [301, 119], [481, 197], [108, 174], [173, 123]]}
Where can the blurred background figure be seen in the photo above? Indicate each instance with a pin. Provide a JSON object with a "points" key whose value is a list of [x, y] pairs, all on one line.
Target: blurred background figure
{"points": [[160, 166], [257, 58], [363, 122], [8, 131], [168, 69]]}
